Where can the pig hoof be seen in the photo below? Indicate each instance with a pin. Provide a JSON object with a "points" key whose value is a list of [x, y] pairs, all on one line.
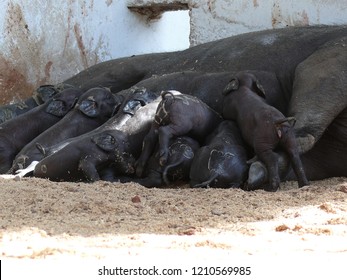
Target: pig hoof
{"points": [[273, 185], [257, 175], [304, 184], [271, 189]]}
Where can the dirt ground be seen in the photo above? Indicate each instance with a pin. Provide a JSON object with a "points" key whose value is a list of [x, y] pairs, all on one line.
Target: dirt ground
{"points": [[43, 219]]}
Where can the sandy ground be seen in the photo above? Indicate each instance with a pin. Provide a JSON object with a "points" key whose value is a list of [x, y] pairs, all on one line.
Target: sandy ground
{"points": [[42, 219]]}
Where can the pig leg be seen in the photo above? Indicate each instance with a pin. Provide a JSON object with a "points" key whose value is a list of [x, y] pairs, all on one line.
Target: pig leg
{"points": [[88, 166], [148, 146], [290, 145], [271, 162], [154, 179], [166, 133]]}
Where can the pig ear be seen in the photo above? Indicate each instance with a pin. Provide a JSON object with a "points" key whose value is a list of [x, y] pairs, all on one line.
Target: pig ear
{"points": [[258, 88], [105, 142], [59, 108], [231, 86], [131, 107], [89, 107], [44, 93]]}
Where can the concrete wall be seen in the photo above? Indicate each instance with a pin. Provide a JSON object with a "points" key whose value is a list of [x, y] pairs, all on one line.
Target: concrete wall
{"points": [[47, 41], [215, 19]]}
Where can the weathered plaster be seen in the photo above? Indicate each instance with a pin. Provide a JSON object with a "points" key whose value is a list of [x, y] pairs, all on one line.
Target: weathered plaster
{"points": [[49, 41], [216, 19]]}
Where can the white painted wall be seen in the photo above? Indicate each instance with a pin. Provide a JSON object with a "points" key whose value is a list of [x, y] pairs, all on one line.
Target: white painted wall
{"points": [[47, 41], [169, 33], [216, 19]]}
